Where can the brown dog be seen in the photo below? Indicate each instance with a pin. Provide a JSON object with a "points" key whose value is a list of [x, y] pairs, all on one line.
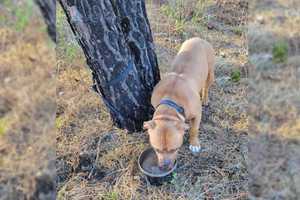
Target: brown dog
{"points": [[178, 99]]}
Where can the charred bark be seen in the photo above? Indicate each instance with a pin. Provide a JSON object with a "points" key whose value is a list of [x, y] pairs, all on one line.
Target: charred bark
{"points": [[116, 39], [48, 10]]}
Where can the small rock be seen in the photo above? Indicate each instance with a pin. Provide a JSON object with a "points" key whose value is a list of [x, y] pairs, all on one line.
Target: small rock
{"points": [[45, 186], [210, 25], [7, 80], [260, 19], [85, 162], [222, 54], [222, 81]]}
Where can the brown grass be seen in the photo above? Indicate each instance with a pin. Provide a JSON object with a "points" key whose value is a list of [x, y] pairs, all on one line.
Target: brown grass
{"points": [[274, 102], [27, 103]]}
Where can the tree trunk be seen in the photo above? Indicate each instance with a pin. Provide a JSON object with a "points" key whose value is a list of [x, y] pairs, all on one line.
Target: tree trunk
{"points": [[116, 39], [48, 10]]}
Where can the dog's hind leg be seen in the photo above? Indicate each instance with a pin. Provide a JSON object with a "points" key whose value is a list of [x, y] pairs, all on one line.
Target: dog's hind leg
{"points": [[201, 94], [205, 95], [209, 81]]}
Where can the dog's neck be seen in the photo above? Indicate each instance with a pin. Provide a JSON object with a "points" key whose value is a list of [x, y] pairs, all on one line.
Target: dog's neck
{"points": [[164, 112]]}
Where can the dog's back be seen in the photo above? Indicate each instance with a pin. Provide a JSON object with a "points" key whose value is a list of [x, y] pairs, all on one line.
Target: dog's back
{"points": [[194, 60], [190, 73]]}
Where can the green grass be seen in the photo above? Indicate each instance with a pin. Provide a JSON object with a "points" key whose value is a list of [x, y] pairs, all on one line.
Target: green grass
{"points": [[235, 75], [60, 18], [2, 19], [70, 49], [179, 26], [238, 30], [4, 124], [174, 178], [198, 14], [175, 12], [23, 14], [111, 196], [280, 52], [20, 15], [6, 3], [59, 121], [172, 12]]}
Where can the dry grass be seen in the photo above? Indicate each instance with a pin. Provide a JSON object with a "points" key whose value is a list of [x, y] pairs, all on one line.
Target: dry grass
{"points": [[27, 107], [274, 102]]}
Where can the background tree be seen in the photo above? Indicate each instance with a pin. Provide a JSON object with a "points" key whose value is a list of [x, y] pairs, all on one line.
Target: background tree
{"points": [[48, 8], [116, 39]]}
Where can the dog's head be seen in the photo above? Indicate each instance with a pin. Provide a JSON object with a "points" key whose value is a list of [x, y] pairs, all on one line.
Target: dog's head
{"points": [[166, 137]]}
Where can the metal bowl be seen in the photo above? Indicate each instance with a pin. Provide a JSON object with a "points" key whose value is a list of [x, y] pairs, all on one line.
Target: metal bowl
{"points": [[148, 164]]}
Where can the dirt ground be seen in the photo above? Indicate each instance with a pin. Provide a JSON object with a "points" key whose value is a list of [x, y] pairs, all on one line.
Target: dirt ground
{"points": [[97, 161], [27, 104], [274, 101]]}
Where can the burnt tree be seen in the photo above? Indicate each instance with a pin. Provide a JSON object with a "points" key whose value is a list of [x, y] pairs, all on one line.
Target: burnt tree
{"points": [[48, 10], [116, 39]]}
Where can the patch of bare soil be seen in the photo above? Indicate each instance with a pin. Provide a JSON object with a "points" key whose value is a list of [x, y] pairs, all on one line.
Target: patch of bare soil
{"points": [[232, 12], [97, 161], [27, 111]]}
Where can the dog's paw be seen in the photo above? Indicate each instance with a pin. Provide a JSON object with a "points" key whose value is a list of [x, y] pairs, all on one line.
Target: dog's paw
{"points": [[195, 149]]}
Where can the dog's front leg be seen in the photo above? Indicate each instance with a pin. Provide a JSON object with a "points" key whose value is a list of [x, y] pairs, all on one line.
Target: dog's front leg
{"points": [[194, 133]]}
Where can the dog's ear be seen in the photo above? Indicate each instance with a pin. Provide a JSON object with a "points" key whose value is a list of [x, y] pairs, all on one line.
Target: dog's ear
{"points": [[149, 125], [183, 126]]}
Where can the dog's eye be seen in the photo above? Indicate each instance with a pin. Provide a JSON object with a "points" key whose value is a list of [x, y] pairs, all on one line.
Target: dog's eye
{"points": [[172, 150], [158, 151], [161, 151]]}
